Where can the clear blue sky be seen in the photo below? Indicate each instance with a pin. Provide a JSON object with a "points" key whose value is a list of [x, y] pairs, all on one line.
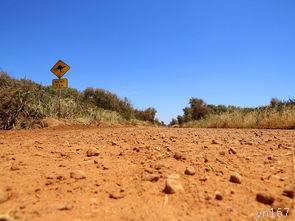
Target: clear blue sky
{"points": [[158, 53]]}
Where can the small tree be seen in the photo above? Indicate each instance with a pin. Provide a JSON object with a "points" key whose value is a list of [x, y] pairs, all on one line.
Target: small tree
{"points": [[199, 108]]}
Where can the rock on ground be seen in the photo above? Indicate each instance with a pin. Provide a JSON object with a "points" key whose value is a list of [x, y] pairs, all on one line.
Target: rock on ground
{"points": [[78, 174], [265, 198], [190, 171], [235, 178], [173, 186], [289, 192], [92, 152]]}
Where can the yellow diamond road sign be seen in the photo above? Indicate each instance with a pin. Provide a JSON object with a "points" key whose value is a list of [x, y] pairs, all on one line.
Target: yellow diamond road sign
{"points": [[60, 68], [60, 83]]}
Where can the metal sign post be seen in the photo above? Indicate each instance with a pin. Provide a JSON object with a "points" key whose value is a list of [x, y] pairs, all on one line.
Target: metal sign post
{"points": [[59, 97], [59, 69]]}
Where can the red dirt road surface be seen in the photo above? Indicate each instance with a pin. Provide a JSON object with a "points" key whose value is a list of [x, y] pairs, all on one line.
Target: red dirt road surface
{"points": [[82, 173]]}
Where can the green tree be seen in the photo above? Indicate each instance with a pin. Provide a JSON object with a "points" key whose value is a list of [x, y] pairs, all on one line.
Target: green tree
{"points": [[198, 108]]}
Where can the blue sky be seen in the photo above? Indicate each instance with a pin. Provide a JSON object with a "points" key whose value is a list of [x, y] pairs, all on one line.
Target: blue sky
{"points": [[158, 53]]}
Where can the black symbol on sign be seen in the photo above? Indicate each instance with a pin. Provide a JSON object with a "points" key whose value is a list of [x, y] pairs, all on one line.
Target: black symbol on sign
{"points": [[60, 68]]}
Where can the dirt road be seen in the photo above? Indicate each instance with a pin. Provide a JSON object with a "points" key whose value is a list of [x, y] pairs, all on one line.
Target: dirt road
{"points": [[90, 173]]}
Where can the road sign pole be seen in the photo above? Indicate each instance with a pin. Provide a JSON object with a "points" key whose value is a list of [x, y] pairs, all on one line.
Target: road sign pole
{"points": [[59, 104]]}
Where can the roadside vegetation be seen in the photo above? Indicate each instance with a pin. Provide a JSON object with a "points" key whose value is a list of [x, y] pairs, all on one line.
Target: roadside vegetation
{"points": [[24, 103], [278, 114]]}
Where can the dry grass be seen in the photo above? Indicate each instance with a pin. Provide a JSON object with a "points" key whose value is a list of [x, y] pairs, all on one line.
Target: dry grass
{"points": [[24, 103], [267, 118]]}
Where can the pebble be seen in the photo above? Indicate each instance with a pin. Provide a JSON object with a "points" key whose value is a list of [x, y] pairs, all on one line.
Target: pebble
{"points": [[222, 153], [114, 143], [289, 192], [203, 179], [150, 177], [179, 156], [214, 142], [235, 178], [116, 196], [173, 186], [232, 151], [218, 195], [190, 171], [14, 168], [65, 207], [78, 174], [92, 152], [264, 198], [3, 196]]}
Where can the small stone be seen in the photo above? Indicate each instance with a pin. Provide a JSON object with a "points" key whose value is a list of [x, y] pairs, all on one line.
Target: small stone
{"points": [[150, 177], [64, 155], [178, 156], [214, 142], [264, 198], [3, 196], [203, 179], [78, 174], [114, 143], [190, 171], [65, 207], [222, 153], [289, 193], [232, 151], [218, 195], [235, 178], [92, 152], [116, 196], [173, 186], [14, 168]]}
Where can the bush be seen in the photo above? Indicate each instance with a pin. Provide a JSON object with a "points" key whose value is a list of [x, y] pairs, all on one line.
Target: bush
{"points": [[23, 103]]}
